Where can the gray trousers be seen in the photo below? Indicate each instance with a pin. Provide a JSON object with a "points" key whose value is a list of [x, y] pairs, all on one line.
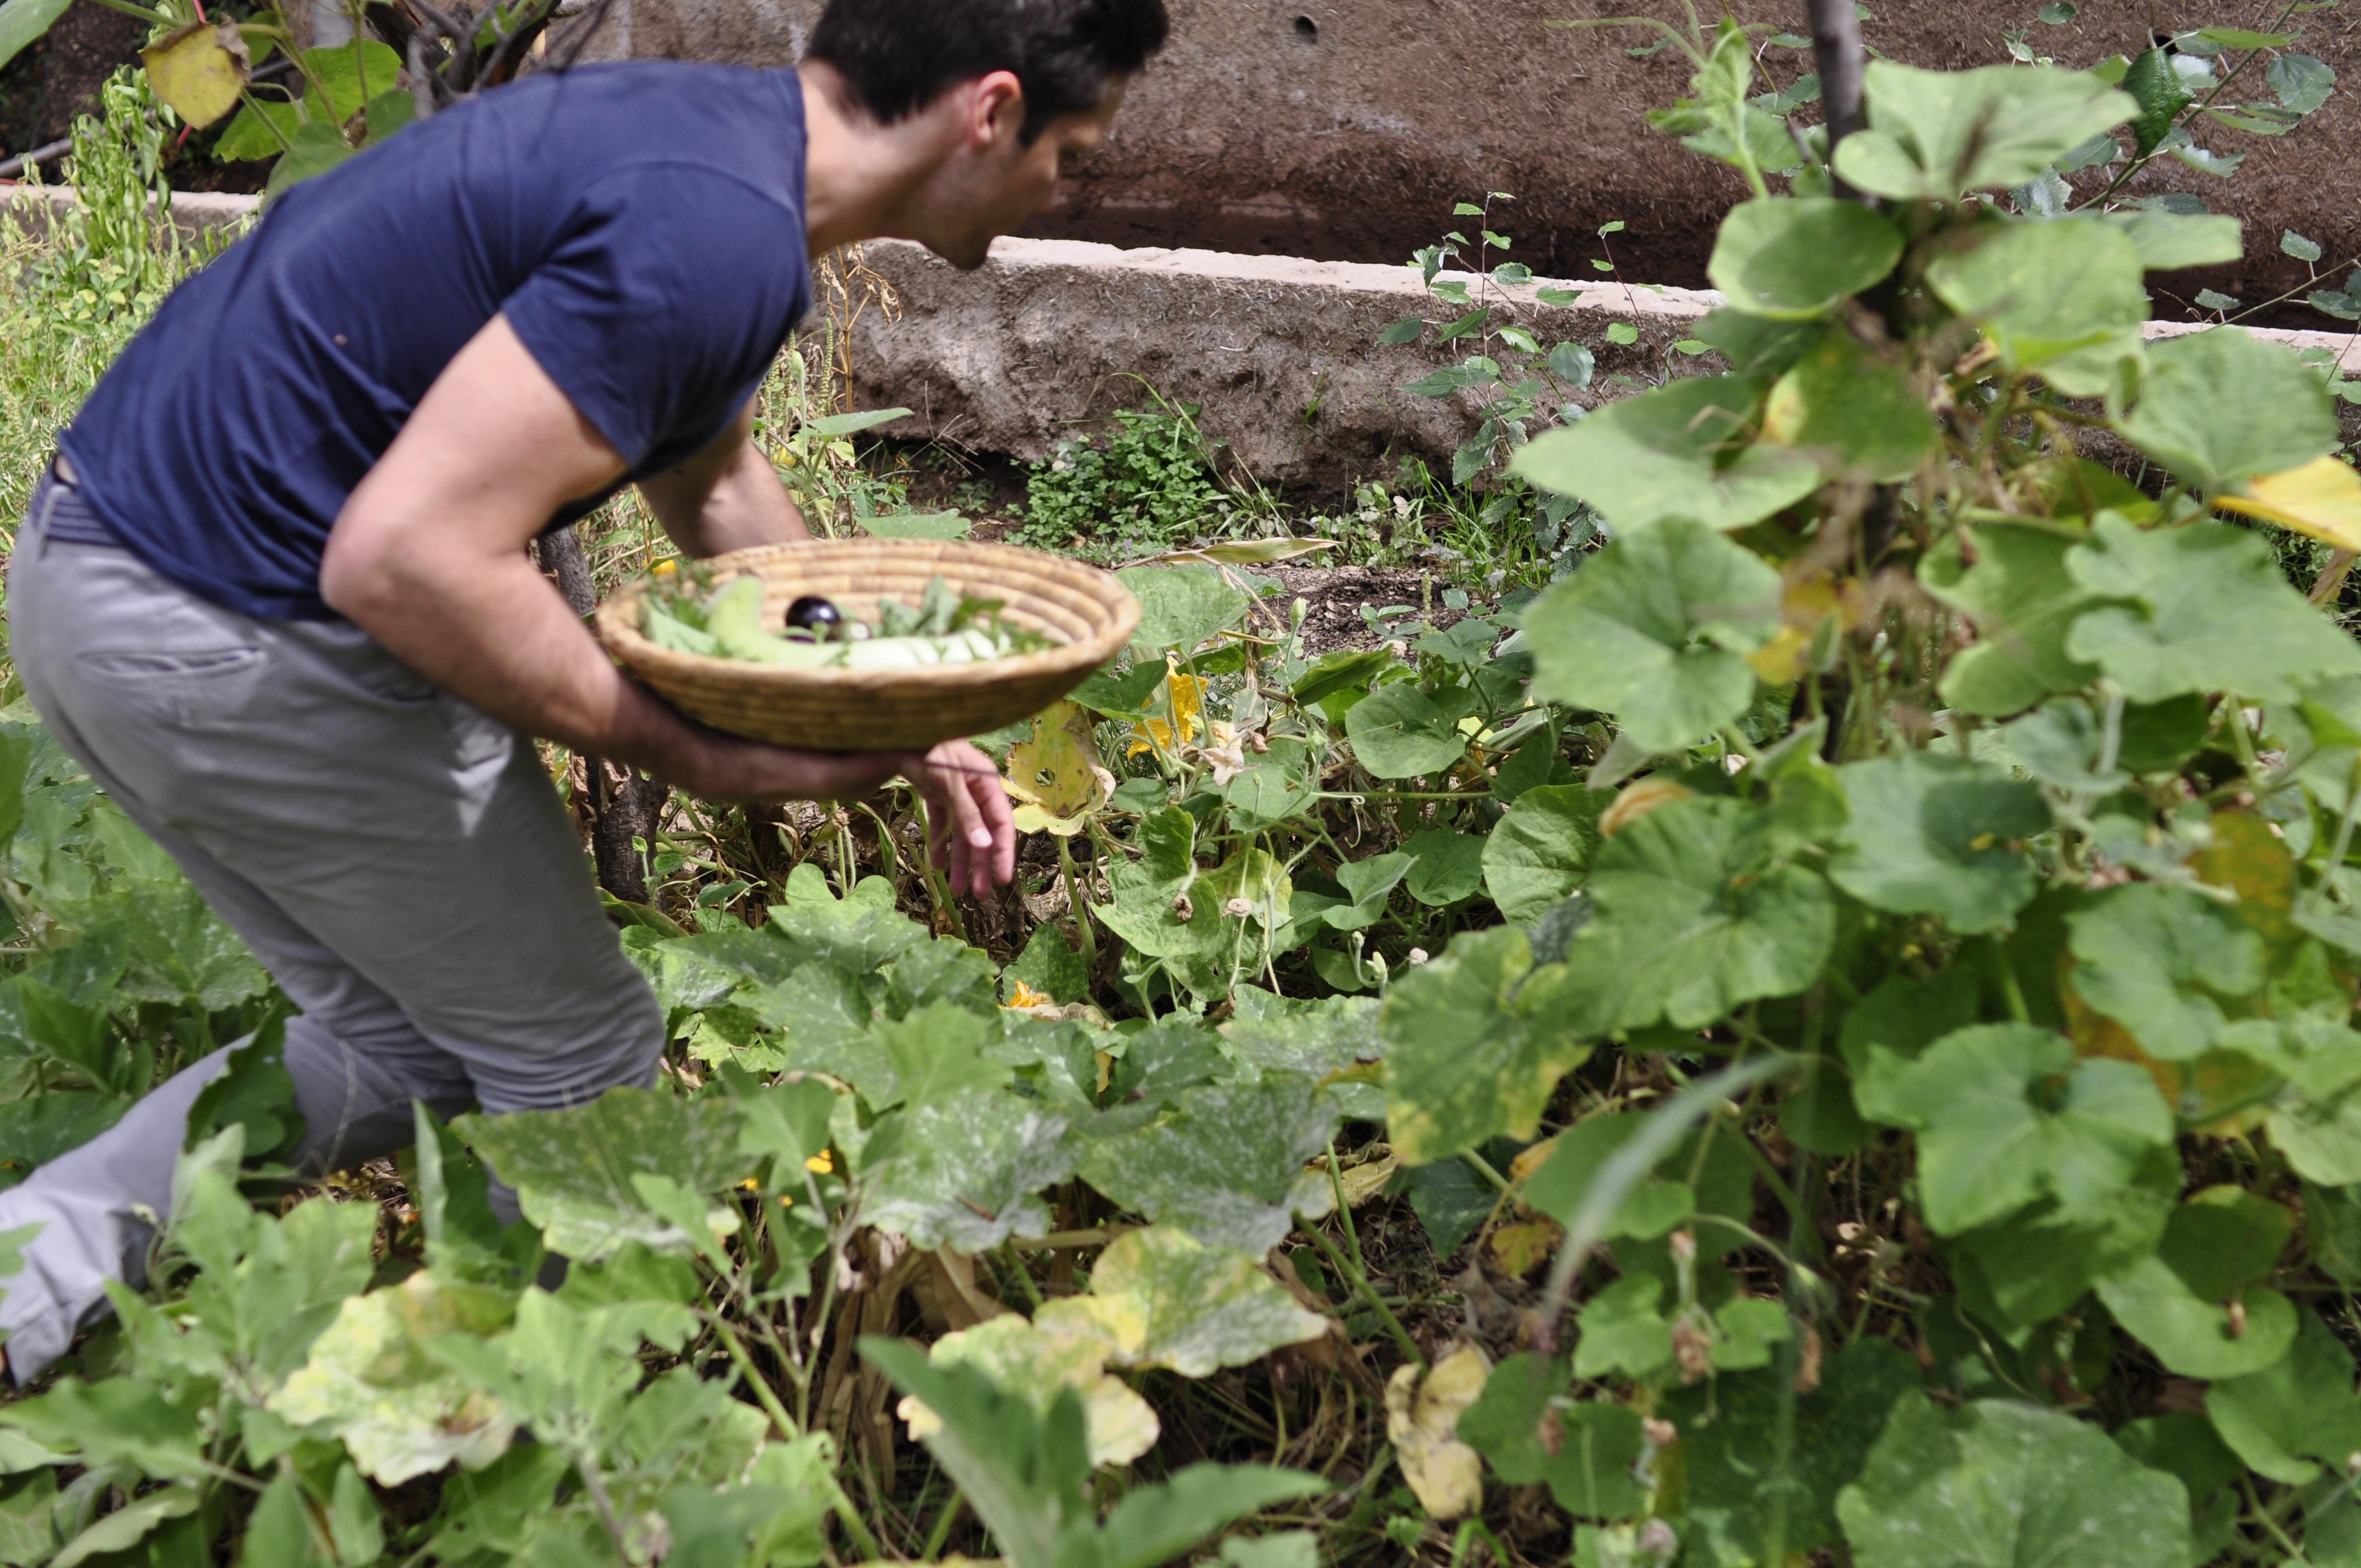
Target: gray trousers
{"points": [[397, 860]]}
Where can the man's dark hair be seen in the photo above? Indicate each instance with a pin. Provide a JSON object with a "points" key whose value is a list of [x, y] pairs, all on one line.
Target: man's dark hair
{"points": [[898, 56]]}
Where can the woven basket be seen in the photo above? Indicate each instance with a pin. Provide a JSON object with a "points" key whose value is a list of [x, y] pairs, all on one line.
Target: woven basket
{"points": [[1086, 610]]}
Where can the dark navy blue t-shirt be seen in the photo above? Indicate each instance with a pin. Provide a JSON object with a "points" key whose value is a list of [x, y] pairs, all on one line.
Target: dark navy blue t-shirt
{"points": [[640, 224]]}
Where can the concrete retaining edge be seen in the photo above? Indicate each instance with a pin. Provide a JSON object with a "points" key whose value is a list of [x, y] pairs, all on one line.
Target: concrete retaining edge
{"points": [[1281, 355]]}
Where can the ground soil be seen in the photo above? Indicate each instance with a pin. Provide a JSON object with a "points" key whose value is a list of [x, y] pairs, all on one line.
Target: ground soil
{"points": [[1347, 131]]}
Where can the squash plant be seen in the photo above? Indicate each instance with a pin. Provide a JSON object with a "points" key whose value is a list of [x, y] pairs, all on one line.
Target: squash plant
{"points": [[1904, 1089], [2031, 938]]}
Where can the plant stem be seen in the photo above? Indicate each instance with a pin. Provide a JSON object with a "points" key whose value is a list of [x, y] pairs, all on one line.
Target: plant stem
{"points": [[2011, 992], [1090, 946], [754, 1378], [1351, 1270]]}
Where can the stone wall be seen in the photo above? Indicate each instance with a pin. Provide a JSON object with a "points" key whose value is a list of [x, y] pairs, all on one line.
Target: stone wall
{"points": [[1282, 353]]}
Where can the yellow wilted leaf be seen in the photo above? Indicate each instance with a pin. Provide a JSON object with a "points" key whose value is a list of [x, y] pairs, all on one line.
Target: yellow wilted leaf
{"points": [[1637, 799], [2321, 498], [199, 70], [1368, 1179], [1805, 601], [1055, 777], [1423, 1420], [1518, 1249]]}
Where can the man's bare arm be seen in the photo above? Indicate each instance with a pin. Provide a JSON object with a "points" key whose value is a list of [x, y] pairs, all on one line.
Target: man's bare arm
{"points": [[726, 498], [428, 557]]}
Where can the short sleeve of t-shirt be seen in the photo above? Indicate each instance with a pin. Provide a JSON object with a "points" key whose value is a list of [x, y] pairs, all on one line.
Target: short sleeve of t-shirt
{"points": [[664, 301]]}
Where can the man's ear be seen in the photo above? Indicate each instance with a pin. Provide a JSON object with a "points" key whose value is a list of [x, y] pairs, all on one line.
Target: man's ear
{"points": [[995, 115]]}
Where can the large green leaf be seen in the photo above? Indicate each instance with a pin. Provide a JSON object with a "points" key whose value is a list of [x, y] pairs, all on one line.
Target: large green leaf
{"points": [[22, 21], [1558, 1186], [1584, 1451], [1445, 867], [2167, 240], [937, 1051], [1654, 630], [1692, 920], [1161, 1298], [1740, 1490], [1476, 1039], [1180, 606], [39, 1127], [2208, 610], [2063, 298], [182, 953], [1226, 1163], [28, 1504], [1401, 732], [398, 1412], [1792, 257], [861, 931], [2022, 603], [1538, 853], [1998, 1484], [2223, 406], [2199, 1303], [964, 1171], [2154, 958], [1162, 1521], [1623, 1331], [2289, 1418], [1901, 1016], [1025, 1471], [2022, 1271], [2007, 1116], [1935, 134], [118, 1421], [1936, 834], [1853, 410], [1281, 1034], [574, 1170], [1679, 451]]}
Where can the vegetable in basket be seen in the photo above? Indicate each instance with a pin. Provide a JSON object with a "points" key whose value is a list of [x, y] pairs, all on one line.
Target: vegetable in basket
{"points": [[944, 628]]}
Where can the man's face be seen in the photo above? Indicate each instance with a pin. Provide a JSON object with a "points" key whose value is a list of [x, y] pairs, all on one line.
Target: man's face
{"points": [[998, 181]]}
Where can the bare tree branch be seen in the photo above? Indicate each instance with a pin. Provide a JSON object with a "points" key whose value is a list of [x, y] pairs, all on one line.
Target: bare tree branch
{"points": [[1836, 47]]}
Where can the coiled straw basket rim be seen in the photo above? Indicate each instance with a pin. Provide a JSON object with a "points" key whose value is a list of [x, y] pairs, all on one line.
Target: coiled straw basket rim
{"points": [[1090, 614]]}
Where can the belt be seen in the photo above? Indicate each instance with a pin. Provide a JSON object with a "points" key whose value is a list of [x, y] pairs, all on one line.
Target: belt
{"points": [[80, 524]]}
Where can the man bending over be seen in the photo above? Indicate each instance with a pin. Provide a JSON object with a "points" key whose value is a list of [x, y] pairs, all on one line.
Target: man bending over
{"points": [[274, 592]]}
